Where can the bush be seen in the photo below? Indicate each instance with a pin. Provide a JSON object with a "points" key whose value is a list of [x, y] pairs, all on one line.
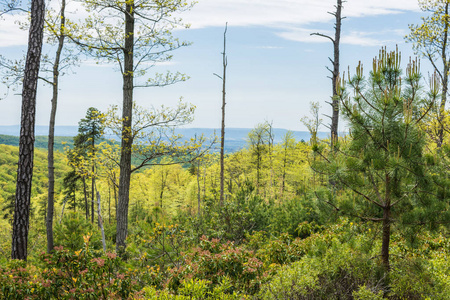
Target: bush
{"points": [[68, 275], [217, 263]]}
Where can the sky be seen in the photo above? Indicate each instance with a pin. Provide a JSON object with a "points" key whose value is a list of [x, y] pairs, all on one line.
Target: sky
{"points": [[275, 68]]}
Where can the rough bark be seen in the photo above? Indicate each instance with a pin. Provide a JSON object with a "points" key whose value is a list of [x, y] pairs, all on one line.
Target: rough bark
{"points": [[51, 132], [26, 142], [127, 140]]}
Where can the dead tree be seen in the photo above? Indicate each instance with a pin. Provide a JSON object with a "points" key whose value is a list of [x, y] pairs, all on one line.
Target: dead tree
{"points": [[335, 72], [222, 133]]}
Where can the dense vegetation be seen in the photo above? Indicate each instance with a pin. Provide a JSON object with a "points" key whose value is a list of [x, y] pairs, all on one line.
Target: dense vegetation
{"points": [[41, 141], [363, 216]]}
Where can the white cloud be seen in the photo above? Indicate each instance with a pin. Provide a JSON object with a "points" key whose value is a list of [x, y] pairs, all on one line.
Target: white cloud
{"points": [[275, 13], [269, 13], [10, 32], [360, 38]]}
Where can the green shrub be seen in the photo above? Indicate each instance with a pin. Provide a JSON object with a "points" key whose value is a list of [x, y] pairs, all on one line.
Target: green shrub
{"points": [[70, 231]]}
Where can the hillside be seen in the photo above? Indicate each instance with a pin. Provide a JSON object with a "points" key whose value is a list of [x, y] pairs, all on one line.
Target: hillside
{"points": [[40, 142], [8, 168]]}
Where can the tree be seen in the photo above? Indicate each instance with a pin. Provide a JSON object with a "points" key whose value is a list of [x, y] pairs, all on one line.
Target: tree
{"points": [[431, 40], [335, 72], [57, 30], [152, 135], [26, 144], [136, 35], [259, 138], [313, 123], [288, 143], [90, 131], [222, 132], [383, 164]]}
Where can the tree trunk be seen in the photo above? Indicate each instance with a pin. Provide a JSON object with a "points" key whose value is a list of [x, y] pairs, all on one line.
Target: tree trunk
{"points": [[386, 231], [26, 142], [444, 84], [222, 133], [335, 100], [92, 194], [51, 133], [198, 188], [386, 237], [127, 139], [100, 222], [86, 205]]}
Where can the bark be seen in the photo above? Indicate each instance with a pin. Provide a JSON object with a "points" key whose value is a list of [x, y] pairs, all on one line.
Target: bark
{"points": [[386, 230], [26, 142], [127, 139], [62, 210], [335, 72], [222, 133], [444, 83], [86, 205], [335, 101], [198, 189], [100, 222], [92, 194], [51, 133]]}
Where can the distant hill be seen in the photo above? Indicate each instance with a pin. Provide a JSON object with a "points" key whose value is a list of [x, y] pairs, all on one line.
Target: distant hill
{"points": [[40, 141], [235, 138]]}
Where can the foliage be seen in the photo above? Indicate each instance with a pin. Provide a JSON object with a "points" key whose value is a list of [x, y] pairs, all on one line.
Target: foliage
{"points": [[69, 232], [68, 274]]}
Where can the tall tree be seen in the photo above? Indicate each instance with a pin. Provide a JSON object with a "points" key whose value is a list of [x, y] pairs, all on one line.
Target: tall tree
{"points": [[152, 135], [431, 39], [136, 35], [222, 131], [259, 139], [335, 72], [26, 143], [90, 131], [59, 33]]}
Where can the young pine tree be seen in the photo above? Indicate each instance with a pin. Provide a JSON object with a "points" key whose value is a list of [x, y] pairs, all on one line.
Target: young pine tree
{"points": [[383, 164]]}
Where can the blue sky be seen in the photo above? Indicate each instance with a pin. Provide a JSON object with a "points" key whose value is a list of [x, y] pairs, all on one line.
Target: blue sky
{"points": [[275, 68]]}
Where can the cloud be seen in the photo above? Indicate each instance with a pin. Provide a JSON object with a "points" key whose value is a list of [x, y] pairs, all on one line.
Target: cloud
{"points": [[271, 13], [277, 14], [361, 38], [10, 32]]}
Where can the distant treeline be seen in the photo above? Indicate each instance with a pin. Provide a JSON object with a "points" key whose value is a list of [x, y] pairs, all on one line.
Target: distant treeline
{"points": [[40, 142]]}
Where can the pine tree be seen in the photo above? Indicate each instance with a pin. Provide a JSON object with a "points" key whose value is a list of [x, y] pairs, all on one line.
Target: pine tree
{"points": [[383, 164]]}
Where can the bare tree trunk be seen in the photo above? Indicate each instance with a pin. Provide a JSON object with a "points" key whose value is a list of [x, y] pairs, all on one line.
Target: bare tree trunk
{"points": [[198, 189], [92, 194], [222, 132], [86, 205], [26, 143], [127, 139], [62, 210], [335, 72], [51, 133], [100, 222], [444, 83], [109, 204]]}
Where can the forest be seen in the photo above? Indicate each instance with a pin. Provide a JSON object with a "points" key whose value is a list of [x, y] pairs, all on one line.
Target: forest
{"points": [[130, 209]]}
